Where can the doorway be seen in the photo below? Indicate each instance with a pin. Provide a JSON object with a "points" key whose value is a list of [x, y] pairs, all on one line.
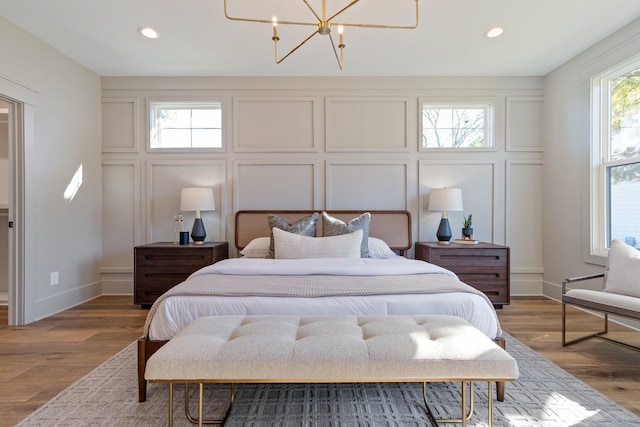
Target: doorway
{"points": [[11, 212]]}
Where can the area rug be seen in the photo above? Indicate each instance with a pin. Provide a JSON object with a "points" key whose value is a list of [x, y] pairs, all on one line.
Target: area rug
{"points": [[544, 395]]}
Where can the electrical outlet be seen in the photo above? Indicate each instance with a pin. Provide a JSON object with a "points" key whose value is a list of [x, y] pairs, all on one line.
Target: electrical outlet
{"points": [[54, 278]]}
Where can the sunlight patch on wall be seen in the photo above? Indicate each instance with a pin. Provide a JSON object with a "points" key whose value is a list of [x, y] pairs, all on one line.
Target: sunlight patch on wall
{"points": [[74, 185]]}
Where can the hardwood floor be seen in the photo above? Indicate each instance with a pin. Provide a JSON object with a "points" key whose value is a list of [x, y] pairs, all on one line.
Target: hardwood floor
{"points": [[42, 359]]}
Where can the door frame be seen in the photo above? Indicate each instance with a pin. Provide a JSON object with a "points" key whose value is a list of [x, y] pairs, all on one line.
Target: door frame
{"points": [[16, 297]]}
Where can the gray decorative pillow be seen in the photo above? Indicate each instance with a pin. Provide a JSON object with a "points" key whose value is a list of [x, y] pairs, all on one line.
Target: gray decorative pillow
{"points": [[332, 226], [306, 226]]}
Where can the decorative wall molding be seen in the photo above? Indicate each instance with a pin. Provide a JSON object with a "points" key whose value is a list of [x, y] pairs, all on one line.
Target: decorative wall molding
{"points": [[480, 191], [165, 180], [523, 220], [367, 124], [525, 127], [122, 216], [359, 184], [123, 133], [275, 124], [276, 184]]}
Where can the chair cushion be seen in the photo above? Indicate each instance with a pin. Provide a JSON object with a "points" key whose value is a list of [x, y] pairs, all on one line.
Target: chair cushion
{"points": [[609, 299], [622, 275]]}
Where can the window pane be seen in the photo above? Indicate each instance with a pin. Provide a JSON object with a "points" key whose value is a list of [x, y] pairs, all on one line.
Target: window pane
{"points": [[206, 138], [176, 125], [461, 127], [175, 119], [624, 126], [472, 139], [437, 139], [624, 203], [174, 138], [206, 119]]}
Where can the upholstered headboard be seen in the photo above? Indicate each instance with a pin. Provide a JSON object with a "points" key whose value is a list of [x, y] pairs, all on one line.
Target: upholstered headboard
{"points": [[394, 227]]}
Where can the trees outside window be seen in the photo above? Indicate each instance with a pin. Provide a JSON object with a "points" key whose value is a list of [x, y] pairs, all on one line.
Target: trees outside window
{"points": [[455, 126]]}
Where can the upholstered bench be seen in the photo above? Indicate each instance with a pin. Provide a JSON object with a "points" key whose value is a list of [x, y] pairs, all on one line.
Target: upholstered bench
{"points": [[331, 349]]}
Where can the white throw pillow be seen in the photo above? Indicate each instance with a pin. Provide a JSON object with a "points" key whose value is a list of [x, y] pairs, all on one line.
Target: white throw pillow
{"points": [[257, 248], [623, 270], [293, 246], [378, 248]]}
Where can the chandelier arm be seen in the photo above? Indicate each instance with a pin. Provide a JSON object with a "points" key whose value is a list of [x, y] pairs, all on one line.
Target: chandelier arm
{"points": [[396, 27], [294, 49], [335, 52], [312, 11], [343, 9], [264, 21]]}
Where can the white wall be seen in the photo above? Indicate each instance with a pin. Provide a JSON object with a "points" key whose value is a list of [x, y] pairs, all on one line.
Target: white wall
{"points": [[63, 133], [314, 143], [566, 169]]}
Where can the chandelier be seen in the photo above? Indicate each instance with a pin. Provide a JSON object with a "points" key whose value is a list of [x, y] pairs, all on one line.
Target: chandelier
{"points": [[322, 24]]}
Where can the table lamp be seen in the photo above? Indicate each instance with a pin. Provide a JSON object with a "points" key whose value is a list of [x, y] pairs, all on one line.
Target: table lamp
{"points": [[197, 199], [445, 199]]}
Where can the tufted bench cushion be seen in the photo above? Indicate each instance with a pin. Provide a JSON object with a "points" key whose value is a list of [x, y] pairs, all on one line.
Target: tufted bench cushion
{"points": [[330, 349]]}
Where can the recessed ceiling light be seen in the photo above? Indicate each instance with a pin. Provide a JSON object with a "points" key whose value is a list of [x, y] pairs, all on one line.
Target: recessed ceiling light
{"points": [[149, 32], [495, 32]]}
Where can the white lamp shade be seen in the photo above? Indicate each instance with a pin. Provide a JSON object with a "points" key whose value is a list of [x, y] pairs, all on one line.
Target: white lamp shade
{"points": [[197, 199], [445, 199]]}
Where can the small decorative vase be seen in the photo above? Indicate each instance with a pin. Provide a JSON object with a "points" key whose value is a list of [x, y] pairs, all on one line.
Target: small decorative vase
{"points": [[467, 234]]}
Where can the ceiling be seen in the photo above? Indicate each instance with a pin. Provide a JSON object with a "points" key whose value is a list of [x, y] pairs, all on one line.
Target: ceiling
{"points": [[197, 40]]}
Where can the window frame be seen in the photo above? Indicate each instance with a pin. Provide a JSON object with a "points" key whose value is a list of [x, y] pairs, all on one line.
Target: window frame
{"points": [[487, 104], [154, 104], [599, 224]]}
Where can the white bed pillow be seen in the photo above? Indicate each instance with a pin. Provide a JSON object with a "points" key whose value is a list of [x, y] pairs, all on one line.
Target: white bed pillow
{"points": [[294, 246], [378, 248], [257, 248], [306, 226], [623, 270]]}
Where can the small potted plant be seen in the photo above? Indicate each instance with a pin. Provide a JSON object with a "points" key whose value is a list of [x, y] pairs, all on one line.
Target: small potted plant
{"points": [[467, 227]]}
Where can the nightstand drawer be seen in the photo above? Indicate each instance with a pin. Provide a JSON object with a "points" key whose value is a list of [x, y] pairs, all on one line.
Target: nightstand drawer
{"points": [[171, 257], [481, 275], [470, 257], [496, 292], [150, 276]]}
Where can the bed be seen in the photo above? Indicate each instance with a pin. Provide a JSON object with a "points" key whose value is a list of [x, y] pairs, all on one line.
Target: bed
{"points": [[304, 280]]}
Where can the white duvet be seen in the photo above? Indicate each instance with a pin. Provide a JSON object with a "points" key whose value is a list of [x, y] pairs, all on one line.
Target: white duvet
{"points": [[255, 286], [322, 266]]}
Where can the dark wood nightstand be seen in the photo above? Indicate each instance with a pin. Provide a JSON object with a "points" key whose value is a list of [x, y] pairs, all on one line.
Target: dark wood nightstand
{"points": [[484, 266], [160, 266]]}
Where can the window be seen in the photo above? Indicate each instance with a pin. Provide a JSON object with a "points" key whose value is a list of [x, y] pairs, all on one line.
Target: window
{"points": [[190, 125], [616, 157], [456, 126]]}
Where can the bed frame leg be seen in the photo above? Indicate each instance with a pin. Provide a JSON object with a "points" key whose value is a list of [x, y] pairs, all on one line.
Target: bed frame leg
{"points": [[146, 348], [500, 385], [142, 364]]}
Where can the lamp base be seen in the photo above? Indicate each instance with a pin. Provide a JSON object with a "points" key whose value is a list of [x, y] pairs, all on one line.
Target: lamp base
{"points": [[444, 232], [197, 232]]}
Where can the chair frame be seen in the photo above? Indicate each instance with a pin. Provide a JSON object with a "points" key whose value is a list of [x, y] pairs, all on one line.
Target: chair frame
{"points": [[590, 305]]}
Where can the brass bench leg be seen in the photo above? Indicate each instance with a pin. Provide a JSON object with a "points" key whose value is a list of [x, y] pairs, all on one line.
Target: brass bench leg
{"points": [[199, 420], [465, 415], [170, 404], [490, 402]]}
